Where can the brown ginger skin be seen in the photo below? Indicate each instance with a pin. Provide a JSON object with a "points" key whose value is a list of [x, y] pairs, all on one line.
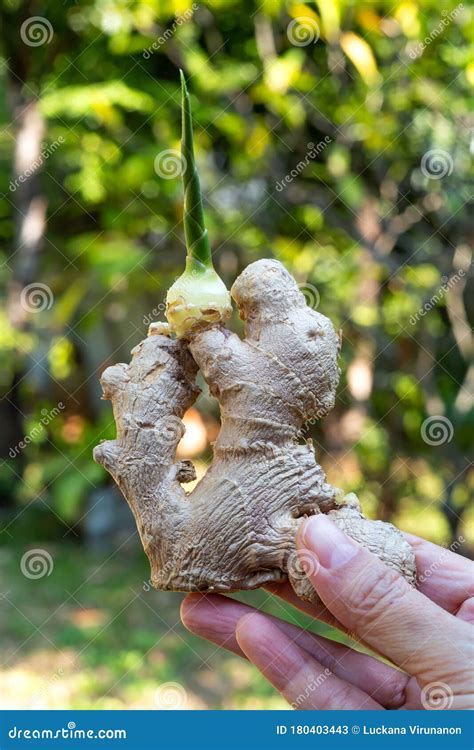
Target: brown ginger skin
{"points": [[237, 528]]}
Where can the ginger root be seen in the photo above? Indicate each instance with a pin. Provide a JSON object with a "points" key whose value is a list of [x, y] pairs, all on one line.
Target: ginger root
{"points": [[237, 528]]}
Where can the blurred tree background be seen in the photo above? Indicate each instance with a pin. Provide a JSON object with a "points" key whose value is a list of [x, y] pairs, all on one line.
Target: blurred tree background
{"points": [[334, 136]]}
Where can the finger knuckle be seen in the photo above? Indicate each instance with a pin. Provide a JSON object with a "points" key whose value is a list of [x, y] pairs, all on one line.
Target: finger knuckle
{"points": [[395, 692], [373, 594]]}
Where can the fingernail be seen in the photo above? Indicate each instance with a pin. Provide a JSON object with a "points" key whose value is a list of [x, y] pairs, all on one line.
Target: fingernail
{"points": [[332, 547]]}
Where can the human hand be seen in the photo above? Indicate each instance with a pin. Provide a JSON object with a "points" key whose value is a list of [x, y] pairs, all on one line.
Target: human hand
{"points": [[427, 633]]}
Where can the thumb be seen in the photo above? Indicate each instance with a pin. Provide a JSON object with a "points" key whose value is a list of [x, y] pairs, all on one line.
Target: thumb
{"points": [[379, 606]]}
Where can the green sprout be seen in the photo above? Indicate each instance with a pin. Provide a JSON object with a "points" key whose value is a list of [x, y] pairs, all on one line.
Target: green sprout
{"points": [[199, 297]]}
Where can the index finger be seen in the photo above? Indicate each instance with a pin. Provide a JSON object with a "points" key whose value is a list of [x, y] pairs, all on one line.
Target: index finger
{"points": [[442, 575]]}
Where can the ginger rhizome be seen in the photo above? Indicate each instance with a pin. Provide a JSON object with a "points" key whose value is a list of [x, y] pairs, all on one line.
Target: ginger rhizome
{"points": [[237, 528]]}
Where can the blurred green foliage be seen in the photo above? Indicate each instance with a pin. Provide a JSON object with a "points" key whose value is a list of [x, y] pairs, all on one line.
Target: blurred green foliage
{"points": [[314, 130], [93, 635]]}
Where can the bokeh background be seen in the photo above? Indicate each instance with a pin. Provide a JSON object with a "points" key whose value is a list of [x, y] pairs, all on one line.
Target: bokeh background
{"points": [[334, 136]]}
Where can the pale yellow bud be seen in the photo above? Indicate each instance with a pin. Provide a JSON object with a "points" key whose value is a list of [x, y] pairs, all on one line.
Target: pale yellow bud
{"points": [[197, 299]]}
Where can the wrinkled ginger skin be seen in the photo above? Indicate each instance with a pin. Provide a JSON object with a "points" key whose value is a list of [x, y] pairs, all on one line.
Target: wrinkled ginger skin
{"points": [[237, 528]]}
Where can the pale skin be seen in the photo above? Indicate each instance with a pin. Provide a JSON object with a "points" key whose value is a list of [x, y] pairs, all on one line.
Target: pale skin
{"points": [[426, 634]]}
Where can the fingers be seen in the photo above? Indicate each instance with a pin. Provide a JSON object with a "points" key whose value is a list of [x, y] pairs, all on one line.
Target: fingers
{"points": [[302, 680], [379, 606], [317, 611], [442, 575], [213, 617], [466, 611], [216, 617]]}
